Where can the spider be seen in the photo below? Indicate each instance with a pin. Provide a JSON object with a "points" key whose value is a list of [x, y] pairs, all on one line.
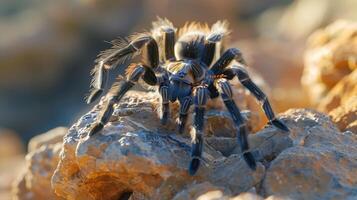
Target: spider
{"points": [[190, 66]]}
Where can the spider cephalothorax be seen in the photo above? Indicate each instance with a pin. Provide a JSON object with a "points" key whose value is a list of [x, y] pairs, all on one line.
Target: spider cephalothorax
{"points": [[190, 66]]}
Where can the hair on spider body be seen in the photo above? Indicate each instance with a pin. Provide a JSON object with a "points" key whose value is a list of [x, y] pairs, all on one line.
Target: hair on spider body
{"points": [[185, 66]]}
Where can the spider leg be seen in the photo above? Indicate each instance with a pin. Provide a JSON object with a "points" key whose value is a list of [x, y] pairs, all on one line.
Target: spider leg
{"points": [[200, 98], [165, 106], [116, 92], [213, 40], [169, 43], [185, 104], [234, 54], [165, 32], [225, 90], [121, 51], [227, 57], [244, 78]]}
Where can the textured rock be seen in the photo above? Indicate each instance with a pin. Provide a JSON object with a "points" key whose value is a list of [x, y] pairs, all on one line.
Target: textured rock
{"points": [[341, 103], [345, 116], [203, 190], [41, 161], [206, 191], [319, 162], [330, 56], [341, 93], [136, 157], [135, 154], [52, 136]]}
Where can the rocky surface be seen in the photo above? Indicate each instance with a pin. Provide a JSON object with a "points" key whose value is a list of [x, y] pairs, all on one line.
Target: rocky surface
{"points": [[330, 75], [320, 164], [330, 56], [136, 157], [136, 154], [341, 103], [345, 116], [41, 161]]}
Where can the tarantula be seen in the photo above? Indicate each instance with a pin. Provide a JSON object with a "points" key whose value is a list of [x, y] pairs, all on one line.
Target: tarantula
{"points": [[189, 66]]}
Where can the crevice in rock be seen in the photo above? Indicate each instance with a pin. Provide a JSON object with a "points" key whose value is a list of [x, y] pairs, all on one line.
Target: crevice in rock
{"points": [[125, 195]]}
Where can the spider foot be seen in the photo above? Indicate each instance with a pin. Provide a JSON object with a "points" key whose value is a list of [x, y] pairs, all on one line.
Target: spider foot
{"points": [[280, 125], [194, 165], [95, 129], [249, 159]]}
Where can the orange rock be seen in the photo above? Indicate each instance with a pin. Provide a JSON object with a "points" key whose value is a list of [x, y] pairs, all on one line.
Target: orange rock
{"points": [[319, 163], [341, 103], [343, 92], [331, 54], [345, 116]]}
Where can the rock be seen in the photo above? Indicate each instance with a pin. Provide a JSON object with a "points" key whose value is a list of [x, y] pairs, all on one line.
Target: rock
{"points": [[203, 190], [206, 191], [341, 93], [270, 142], [345, 116], [41, 161], [329, 57], [247, 196], [315, 161], [52, 136], [136, 155], [341, 103]]}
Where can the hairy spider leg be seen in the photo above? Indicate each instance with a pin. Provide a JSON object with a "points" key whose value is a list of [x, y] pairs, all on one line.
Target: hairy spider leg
{"points": [[116, 93], [227, 57], [185, 104], [165, 34], [234, 54], [209, 51], [165, 104], [200, 98], [122, 50], [169, 43], [225, 90], [211, 41], [259, 94]]}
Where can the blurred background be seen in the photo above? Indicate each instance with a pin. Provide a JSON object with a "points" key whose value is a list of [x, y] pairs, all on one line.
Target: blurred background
{"points": [[47, 48]]}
